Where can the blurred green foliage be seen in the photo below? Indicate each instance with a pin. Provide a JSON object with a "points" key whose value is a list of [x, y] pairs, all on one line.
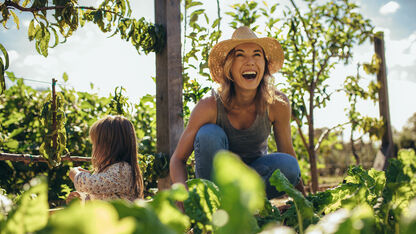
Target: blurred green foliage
{"points": [[365, 202]]}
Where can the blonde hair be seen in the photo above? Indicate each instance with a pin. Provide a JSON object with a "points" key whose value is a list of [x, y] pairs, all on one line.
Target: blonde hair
{"points": [[265, 91], [114, 140]]}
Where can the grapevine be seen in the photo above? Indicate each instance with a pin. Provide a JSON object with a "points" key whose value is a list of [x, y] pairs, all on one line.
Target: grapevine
{"points": [[53, 118]]}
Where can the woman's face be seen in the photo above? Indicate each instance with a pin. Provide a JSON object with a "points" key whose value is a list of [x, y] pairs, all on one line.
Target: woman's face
{"points": [[248, 66]]}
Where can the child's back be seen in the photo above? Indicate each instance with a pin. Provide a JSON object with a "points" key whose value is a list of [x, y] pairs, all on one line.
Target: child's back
{"points": [[115, 182]]}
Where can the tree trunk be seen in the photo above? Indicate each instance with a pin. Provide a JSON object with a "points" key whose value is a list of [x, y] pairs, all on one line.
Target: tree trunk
{"points": [[354, 151], [311, 146]]}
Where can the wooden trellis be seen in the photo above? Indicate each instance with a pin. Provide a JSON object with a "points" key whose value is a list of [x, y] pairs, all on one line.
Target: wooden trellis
{"points": [[29, 158], [169, 109]]}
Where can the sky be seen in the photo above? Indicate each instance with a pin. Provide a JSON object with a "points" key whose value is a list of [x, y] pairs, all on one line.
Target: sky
{"points": [[89, 56]]}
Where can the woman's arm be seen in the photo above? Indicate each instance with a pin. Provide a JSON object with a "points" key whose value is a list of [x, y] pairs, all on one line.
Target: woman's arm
{"points": [[280, 114], [204, 112]]}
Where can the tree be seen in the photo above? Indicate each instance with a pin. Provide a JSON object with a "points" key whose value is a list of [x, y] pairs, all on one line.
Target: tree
{"points": [[110, 16], [314, 41]]}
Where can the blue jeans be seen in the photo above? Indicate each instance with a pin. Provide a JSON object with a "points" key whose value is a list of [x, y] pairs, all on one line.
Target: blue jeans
{"points": [[211, 138]]}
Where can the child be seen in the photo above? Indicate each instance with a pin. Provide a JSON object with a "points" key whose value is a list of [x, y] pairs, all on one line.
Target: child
{"points": [[114, 159]]}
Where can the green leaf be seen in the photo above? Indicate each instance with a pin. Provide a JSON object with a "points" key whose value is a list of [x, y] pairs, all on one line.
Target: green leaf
{"points": [[56, 37], [192, 3], [304, 208], [24, 4], [408, 219], [230, 171], [95, 217], [359, 220], [65, 77], [15, 18], [166, 210], [6, 57], [12, 144], [144, 216], [203, 201], [216, 22], [31, 30], [16, 132], [2, 80], [242, 194], [31, 212]]}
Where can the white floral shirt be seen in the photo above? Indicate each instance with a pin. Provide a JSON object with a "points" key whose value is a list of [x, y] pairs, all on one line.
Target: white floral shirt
{"points": [[115, 182]]}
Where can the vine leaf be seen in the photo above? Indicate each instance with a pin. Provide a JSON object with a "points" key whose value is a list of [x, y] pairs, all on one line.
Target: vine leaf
{"points": [[3, 67], [53, 153]]}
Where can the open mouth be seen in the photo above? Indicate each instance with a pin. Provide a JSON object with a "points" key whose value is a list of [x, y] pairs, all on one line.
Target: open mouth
{"points": [[249, 75]]}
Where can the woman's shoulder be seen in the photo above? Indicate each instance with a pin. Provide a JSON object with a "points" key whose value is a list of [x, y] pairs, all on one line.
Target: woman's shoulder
{"points": [[207, 105], [205, 111], [279, 107], [280, 99], [208, 101]]}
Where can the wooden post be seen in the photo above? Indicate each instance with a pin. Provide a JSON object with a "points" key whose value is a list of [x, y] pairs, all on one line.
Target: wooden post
{"points": [[387, 148], [169, 109]]}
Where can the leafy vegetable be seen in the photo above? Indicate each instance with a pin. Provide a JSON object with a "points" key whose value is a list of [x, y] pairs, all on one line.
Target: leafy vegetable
{"points": [[304, 208], [242, 193]]}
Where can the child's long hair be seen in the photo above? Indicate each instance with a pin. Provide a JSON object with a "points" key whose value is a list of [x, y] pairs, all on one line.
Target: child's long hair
{"points": [[114, 140]]}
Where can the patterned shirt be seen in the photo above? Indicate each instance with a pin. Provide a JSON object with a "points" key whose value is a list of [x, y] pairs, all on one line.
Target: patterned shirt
{"points": [[115, 182]]}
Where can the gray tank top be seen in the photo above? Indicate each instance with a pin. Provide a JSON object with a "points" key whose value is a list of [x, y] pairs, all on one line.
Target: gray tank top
{"points": [[249, 143]]}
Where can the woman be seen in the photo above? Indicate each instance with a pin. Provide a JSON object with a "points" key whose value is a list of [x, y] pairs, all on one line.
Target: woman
{"points": [[240, 115]]}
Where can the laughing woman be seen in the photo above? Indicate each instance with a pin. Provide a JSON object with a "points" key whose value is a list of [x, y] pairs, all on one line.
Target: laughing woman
{"points": [[240, 115]]}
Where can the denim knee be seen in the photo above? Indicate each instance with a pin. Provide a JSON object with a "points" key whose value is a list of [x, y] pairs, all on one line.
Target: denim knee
{"points": [[268, 164], [209, 139], [211, 132], [292, 170]]}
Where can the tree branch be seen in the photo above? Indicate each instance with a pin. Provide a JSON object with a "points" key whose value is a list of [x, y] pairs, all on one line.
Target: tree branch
{"points": [[300, 57], [323, 66], [325, 134], [302, 136], [301, 19], [10, 4]]}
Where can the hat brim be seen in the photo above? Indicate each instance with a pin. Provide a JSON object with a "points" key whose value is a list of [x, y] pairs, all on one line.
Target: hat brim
{"points": [[272, 49]]}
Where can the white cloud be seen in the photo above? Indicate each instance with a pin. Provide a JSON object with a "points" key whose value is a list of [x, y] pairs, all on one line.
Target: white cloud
{"points": [[13, 55], [33, 60], [401, 52], [389, 8], [38, 61]]}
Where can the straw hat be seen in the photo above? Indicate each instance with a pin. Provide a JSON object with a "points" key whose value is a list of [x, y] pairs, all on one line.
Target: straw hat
{"points": [[272, 49]]}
